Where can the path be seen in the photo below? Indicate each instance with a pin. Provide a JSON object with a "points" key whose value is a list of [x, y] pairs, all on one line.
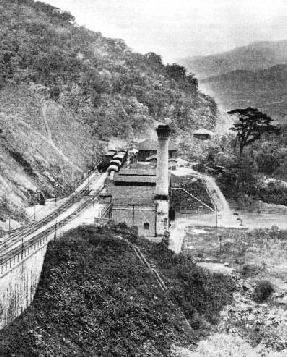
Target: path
{"points": [[222, 217]]}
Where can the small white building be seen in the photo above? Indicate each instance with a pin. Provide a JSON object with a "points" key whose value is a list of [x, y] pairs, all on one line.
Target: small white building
{"points": [[203, 134]]}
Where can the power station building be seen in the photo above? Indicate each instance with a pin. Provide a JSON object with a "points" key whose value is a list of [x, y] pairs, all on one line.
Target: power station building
{"points": [[148, 148], [140, 194]]}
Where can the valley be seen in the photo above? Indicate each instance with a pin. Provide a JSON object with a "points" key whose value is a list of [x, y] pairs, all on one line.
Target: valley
{"points": [[137, 216], [250, 76]]}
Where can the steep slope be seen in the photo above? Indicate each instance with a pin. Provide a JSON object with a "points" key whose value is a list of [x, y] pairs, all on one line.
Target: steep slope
{"points": [[64, 88], [38, 148], [255, 56]]}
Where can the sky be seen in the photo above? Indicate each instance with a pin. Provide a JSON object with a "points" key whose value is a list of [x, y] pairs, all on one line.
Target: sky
{"points": [[182, 28]]}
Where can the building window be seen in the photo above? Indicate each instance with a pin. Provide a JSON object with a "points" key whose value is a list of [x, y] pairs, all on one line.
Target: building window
{"points": [[146, 226], [165, 222]]}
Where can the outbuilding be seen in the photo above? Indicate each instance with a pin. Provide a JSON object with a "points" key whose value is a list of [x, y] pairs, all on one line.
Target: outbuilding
{"points": [[203, 134]]}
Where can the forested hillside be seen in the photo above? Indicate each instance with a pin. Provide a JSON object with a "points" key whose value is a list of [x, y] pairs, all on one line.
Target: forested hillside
{"points": [[63, 88], [264, 89], [253, 57], [115, 91]]}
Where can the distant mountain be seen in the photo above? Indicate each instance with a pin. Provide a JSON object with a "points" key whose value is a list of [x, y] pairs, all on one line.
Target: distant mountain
{"points": [[255, 56], [264, 89]]}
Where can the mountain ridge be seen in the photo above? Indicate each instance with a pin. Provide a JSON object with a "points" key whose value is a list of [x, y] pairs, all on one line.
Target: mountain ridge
{"points": [[254, 56], [263, 89]]}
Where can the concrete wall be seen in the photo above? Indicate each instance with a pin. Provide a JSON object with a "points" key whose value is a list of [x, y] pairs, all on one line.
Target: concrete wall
{"points": [[136, 216], [162, 217], [19, 278]]}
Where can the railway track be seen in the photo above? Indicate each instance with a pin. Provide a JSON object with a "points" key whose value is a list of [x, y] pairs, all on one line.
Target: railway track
{"points": [[7, 249]]}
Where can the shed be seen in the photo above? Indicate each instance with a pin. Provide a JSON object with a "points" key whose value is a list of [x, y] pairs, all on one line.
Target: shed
{"points": [[203, 134]]}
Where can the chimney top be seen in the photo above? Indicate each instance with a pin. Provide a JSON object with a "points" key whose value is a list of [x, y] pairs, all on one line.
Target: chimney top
{"points": [[163, 131]]}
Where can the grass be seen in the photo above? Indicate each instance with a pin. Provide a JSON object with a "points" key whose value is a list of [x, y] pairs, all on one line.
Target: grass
{"points": [[255, 323], [95, 298], [260, 250], [200, 294]]}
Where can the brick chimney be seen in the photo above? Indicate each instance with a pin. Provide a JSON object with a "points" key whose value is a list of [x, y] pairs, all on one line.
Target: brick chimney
{"points": [[163, 133], [162, 181]]}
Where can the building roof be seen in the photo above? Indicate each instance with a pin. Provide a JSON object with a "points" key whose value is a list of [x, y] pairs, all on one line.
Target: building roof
{"points": [[203, 131], [151, 145], [138, 172], [139, 179], [111, 152], [132, 200]]}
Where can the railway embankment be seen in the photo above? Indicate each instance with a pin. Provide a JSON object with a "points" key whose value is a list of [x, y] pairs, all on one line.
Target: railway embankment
{"points": [[22, 252]]}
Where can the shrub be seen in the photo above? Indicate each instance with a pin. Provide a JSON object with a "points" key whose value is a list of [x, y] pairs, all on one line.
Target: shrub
{"points": [[249, 270], [262, 291]]}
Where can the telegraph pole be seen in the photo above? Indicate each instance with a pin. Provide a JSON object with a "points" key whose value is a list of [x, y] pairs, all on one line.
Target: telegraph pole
{"points": [[55, 236], [56, 190], [22, 247], [9, 227]]}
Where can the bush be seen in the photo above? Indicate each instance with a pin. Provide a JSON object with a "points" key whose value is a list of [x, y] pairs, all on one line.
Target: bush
{"points": [[249, 270], [95, 298], [262, 291]]}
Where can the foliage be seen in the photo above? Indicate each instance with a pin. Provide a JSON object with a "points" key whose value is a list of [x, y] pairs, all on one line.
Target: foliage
{"points": [[275, 194], [249, 174], [201, 295], [181, 200], [115, 91], [95, 297], [251, 125], [262, 291]]}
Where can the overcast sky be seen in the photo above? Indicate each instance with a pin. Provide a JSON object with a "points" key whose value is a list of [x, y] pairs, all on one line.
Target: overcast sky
{"points": [[180, 28]]}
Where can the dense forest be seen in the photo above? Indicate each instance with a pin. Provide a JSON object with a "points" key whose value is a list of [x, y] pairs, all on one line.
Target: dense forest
{"points": [[117, 92]]}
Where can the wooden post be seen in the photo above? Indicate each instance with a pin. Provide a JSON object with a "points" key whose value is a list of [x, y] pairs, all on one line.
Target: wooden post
{"points": [[55, 236], [9, 228]]}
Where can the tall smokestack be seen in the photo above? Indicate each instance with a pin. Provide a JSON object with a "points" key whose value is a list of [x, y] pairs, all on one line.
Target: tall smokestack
{"points": [[162, 183]]}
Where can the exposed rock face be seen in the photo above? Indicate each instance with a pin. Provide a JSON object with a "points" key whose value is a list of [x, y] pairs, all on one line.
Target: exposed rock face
{"points": [[41, 144]]}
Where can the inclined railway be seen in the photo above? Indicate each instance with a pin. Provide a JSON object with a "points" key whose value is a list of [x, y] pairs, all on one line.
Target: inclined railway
{"points": [[17, 240], [21, 239]]}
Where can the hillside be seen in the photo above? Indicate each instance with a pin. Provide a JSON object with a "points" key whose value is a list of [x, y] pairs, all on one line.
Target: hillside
{"points": [[38, 148], [64, 89], [254, 57], [262, 89], [96, 298], [249, 76]]}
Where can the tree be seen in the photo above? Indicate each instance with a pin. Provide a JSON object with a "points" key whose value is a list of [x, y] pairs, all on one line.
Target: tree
{"points": [[175, 71], [251, 125]]}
